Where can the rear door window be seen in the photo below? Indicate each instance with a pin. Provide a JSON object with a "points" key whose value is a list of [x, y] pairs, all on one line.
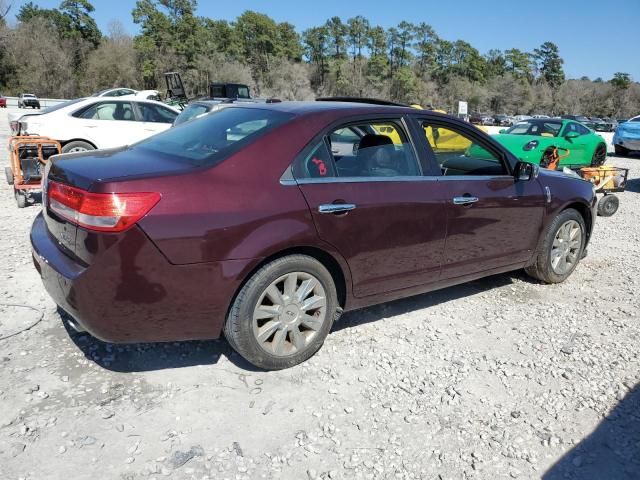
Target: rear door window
{"points": [[367, 149], [108, 110]]}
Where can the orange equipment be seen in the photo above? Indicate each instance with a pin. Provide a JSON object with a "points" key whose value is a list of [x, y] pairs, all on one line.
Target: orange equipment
{"points": [[28, 155]]}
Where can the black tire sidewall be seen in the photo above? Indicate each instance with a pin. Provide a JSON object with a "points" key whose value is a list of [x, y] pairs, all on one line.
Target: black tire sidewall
{"points": [[8, 173], [239, 325]]}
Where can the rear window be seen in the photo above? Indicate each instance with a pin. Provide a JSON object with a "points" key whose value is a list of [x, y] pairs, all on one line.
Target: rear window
{"points": [[210, 139]]}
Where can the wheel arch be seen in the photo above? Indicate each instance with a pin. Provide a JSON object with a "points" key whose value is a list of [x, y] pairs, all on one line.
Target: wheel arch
{"points": [[585, 212], [337, 271], [63, 143]]}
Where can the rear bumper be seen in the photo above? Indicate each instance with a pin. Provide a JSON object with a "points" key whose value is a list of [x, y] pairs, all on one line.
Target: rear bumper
{"points": [[131, 293]]}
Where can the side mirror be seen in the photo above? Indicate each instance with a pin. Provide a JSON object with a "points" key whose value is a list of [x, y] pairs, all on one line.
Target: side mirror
{"points": [[502, 130], [526, 171], [571, 135]]}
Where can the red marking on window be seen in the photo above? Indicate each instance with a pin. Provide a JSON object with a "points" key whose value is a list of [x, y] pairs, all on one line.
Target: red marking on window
{"points": [[322, 168]]}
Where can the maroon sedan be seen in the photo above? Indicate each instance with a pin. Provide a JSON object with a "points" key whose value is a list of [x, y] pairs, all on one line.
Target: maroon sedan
{"points": [[264, 222]]}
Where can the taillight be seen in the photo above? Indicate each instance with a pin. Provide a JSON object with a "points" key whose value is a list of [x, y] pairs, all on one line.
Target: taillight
{"points": [[105, 212]]}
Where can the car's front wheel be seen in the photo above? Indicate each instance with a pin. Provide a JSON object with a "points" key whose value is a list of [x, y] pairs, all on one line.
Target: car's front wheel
{"points": [[283, 314], [599, 155], [77, 146], [561, 248]]}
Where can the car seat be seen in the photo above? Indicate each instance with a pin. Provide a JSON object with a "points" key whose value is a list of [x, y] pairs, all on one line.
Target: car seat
{"points": [[376, 156]]}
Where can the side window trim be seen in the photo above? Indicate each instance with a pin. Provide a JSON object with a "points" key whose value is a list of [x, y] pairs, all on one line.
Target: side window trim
{"points": [[474, 136]]}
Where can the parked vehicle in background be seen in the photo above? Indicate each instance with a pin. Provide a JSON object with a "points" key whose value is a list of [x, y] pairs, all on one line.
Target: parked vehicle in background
{"points": [[129, 92], [28, 100], [481, 119], [3, 101], [578, 118], [626, 138], [99, 122], [520, 118], [605, 124], [198, 108], [540, 116], [502, 120], [279, 232], [530, 139]]}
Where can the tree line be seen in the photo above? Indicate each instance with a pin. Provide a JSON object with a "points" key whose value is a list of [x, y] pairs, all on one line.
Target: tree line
{"points": [[61, 52]]}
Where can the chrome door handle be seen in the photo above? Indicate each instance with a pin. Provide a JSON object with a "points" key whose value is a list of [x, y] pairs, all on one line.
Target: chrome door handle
{"points": [[336, 207], [464, 200]]}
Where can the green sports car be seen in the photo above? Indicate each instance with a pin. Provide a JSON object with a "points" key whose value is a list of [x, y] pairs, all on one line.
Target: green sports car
{"points": [[531, 139]]}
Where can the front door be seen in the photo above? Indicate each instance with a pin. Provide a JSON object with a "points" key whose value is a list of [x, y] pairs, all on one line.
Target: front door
{"points": [[370, 201], [493, 220], [578, 145]]}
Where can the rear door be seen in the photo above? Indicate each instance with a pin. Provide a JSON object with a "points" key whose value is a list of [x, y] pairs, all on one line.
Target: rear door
{"points": [[492, 220], [370, 200]]}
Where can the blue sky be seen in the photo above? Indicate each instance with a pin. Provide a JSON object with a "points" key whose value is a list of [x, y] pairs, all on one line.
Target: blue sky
{"points": [[596, 37]]}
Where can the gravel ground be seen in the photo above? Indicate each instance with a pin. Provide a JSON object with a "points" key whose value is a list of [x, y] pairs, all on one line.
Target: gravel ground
{"points": [[499, 378]]}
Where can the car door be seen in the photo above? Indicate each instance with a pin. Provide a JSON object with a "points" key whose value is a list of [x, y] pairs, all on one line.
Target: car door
{"points": [[154, 118], [577, 145], [107, 123], [492, 220], [375, 207]]}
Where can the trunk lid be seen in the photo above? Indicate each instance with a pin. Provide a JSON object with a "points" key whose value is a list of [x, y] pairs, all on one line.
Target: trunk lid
{"points": [[94, 171]]}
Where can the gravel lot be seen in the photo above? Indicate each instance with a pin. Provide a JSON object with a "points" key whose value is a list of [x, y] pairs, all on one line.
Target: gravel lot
{"points": [[499, 378]]}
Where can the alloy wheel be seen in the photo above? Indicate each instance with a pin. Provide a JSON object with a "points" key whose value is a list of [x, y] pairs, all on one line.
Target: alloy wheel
{"points": [[289, 314], [77, 149], [566, 247]]}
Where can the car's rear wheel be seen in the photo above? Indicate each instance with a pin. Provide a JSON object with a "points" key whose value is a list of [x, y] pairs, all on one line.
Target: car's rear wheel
{"points": [[608, 205], [599, 156], [561, 249], [283, 314], [620, 150], [77, 146]]}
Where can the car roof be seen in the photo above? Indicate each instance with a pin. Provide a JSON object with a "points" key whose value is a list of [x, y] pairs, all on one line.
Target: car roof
{"points": [[302, 108]]}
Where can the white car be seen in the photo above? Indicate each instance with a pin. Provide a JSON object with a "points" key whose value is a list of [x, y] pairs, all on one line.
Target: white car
{"points": [[129, 92], [100, 122]]}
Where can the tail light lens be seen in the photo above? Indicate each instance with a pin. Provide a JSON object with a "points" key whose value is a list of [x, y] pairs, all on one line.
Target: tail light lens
{"points": [[104, 212]]}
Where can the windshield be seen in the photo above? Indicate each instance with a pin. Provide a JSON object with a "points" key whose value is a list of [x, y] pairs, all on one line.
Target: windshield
{"points": [[636, 119], [211, 138], [192, 111], [540, 128], [28, 95]]}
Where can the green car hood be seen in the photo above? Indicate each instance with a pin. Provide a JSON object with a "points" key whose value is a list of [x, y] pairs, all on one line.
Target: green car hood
{"points": [[514, 144]]}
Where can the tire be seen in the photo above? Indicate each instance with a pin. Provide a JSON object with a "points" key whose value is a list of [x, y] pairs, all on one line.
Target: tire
{"points": [[608, 205], [8, 173], [621, 151], [77, 146], [286, 320], [21, 198], [599, 155], [543, 267]]}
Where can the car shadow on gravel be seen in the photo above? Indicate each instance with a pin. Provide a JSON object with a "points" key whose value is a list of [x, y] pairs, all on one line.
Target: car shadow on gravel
{"points": [[426, 300], [633, 185], [611, 451], [142, 357], [145, 357]]}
